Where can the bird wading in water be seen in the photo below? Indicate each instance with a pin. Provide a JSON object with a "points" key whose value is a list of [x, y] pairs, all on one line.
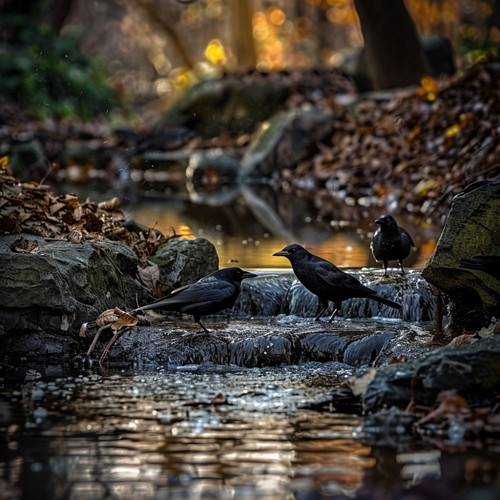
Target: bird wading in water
{"points": [[327, 281], [390, 242], [209, 295]]}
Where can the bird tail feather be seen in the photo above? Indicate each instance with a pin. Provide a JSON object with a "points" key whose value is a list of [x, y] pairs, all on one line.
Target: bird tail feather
{"points": [[387, 302]]}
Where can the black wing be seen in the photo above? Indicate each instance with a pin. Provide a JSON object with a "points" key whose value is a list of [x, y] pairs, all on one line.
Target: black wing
{"points": [[404, 232], [339, 280]]}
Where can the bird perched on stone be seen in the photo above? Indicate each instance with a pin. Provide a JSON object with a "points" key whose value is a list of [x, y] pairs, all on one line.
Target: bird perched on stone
{"points": [[390, 242], [327, 281], [487, 263], [209, 295]]}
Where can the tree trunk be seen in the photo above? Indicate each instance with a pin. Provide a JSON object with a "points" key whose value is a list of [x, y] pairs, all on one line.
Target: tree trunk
{"points": [[394, 55], [243, 42]]}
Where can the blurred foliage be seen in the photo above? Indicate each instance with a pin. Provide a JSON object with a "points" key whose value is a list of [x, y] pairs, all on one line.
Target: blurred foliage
{"points": [[47, 74]]}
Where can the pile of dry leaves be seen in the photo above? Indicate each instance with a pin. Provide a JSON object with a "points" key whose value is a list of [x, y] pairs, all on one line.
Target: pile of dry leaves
{"points": [[31, 208], [419, 148]]}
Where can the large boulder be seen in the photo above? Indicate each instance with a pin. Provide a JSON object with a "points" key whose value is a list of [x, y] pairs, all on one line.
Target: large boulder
{"points": [[215, 106], [471, 229], [285, 140], [48, 289], [57, 285]]}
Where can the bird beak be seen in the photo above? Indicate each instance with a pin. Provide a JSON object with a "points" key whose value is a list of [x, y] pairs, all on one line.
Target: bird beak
{"points": [[378, 221], [281, 253], [248, 274]]}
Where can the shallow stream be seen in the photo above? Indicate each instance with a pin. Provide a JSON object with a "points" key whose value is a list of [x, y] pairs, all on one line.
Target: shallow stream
{"points": [[212, 431], [196, 430]]}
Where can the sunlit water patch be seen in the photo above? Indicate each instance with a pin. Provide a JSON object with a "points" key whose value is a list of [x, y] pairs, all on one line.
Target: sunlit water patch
{"points": [[198, 431]]}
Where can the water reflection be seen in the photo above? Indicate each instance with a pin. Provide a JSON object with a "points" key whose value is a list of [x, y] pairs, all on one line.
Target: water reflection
{"points": [[260, 221], [156, 435]]}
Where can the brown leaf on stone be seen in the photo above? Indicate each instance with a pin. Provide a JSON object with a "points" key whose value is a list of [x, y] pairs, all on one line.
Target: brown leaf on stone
{"points": [[123, 321], [401, 358], [24, 245], [92, 223], [70, 200], [149, 275], [219, 399], [55, 207], [118, 233], [75, 236], [465, 339], [107, 317], [358, 385], [216, 400], [78, 213], [450, 404]]}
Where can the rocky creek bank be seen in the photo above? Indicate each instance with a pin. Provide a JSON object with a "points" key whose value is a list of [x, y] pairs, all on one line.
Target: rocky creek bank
{"points": [[56, 295]]}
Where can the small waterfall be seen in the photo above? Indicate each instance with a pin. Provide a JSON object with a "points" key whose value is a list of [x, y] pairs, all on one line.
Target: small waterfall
{"points": [[282, 293]]}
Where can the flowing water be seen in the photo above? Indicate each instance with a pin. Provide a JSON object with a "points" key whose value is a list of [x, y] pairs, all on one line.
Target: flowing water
{"points": [[207, 431], [211, 431]]}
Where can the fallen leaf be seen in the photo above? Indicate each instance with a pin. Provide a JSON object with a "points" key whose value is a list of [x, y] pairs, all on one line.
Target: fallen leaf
{"points": [[106, 317], [150, 275], [124, 320]]}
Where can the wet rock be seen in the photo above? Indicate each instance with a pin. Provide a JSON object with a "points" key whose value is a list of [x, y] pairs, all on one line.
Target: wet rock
{"points": [[287, 138], [365, 351], [215, 106], [256, 343], [471, 229], [48, 293], [263, 296], [324, 347], [62, 285], [412, 291], [182, 261], [263, 351], [473, 370]]}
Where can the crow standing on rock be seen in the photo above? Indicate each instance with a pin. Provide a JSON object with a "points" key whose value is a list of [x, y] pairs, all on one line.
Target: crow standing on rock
{"points": [[327, 281], [209, 295], [390, 242]]}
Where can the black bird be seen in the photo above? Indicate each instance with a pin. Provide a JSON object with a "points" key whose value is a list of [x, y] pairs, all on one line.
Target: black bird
{"points": [[488, 263], [209, 295], [390, 242], [327, 281]]}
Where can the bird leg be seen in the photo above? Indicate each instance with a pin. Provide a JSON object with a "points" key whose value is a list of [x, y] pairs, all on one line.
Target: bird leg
{"points": [[115, 337], [402, 268], [198, 320], [386, 263], [96, 338], [336, 309], [322, 305]]}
